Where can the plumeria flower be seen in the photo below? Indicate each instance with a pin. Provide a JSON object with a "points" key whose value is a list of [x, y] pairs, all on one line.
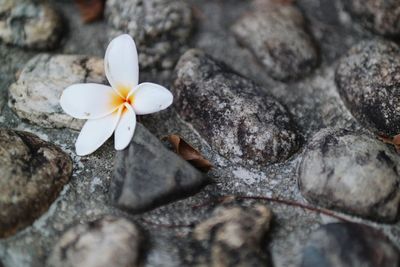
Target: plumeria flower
{"points": [[110, 109]]}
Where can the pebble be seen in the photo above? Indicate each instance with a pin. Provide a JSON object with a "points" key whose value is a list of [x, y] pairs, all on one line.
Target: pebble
{"points": [[232, 236], [232, 113], [367, 78], [109, 241], [380, 16], [33, 172], [160, 28], [30, 24], [36, 94], [148, 175], [275, 33], [351, 172], [348, 245]]}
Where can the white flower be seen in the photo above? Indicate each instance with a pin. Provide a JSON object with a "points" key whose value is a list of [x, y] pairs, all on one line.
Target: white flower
{"points": [[108, 109]]}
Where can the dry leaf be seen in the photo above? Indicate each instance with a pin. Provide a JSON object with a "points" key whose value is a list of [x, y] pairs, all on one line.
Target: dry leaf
{"points": [[90, 10], [189, 153], [392, 140]]}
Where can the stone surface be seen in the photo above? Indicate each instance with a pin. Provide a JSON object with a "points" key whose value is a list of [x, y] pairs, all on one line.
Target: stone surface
{"points": [[160, 28], [347, 245], [313, 100], [275, 33], [35, 95], [232, 113], [380, 16], [110, 241], [30, 24], [33, 172], [367, 79], [233, 236], [147, 175], [351, 172]]}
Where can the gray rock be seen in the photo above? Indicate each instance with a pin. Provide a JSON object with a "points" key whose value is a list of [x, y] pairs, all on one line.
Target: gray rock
{"points": [[110, 241], [351, 172], [367, 79], [275, 33], [348, 245], [232, 236], [232, 113], [147, 175], [380, 16], [32, 172], [160, 28], [30, 24], [35, 95]]}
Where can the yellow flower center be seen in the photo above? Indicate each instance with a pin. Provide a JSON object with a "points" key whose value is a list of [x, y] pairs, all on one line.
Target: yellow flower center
{"points": [[122, 97]]}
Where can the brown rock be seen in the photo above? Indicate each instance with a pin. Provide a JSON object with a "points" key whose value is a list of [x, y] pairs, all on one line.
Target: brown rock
{"points": [[233, 236], [32, 172], [110, 241]]}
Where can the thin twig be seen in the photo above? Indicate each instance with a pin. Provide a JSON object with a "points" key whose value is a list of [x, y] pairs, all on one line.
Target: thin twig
{"points": [[263, 198]]}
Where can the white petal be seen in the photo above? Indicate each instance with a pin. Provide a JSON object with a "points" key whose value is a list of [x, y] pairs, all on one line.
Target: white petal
{"points": [[88, 101], [95, 132], [121, 63], [150, 97], [125, 129]]}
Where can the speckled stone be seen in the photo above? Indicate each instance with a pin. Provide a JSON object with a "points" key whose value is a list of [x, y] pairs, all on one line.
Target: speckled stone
{"points": [[32, 172], [368, 79], [148, 175], [110, 241], [349, 245], [351, 172], [232, 113], [380, 16], [275, 33], [36, 94], [161, 28], [232, 236], [31, 24]]}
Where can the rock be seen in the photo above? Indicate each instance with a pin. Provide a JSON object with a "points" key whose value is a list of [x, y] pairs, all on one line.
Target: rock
{"points": [[347, 245], [160, 28], [32, 172], [380, 16], [232, 113], [35, 95], [367, 79], [148, 175], [275, 33], [232, 236], [351, 172], [110, 241], [29, 24]]}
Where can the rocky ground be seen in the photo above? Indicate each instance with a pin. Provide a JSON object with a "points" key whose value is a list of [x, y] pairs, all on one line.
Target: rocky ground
{"points": [[285, 98]]}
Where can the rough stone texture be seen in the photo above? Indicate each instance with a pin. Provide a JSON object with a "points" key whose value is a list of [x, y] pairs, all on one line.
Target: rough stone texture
{"points": [[160, 28], [313, 100], [347, 245], [32, 172], [232, 236], [110, 241], [148, 175], [351, 172], [274, 32], [35, 95], [231, 112], [380, 16], [30, 24], [368, 79]]}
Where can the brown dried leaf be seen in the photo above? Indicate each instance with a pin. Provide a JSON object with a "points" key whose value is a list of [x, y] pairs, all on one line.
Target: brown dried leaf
{"points": [[189, 153], [391, 140], [90, 10]]}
